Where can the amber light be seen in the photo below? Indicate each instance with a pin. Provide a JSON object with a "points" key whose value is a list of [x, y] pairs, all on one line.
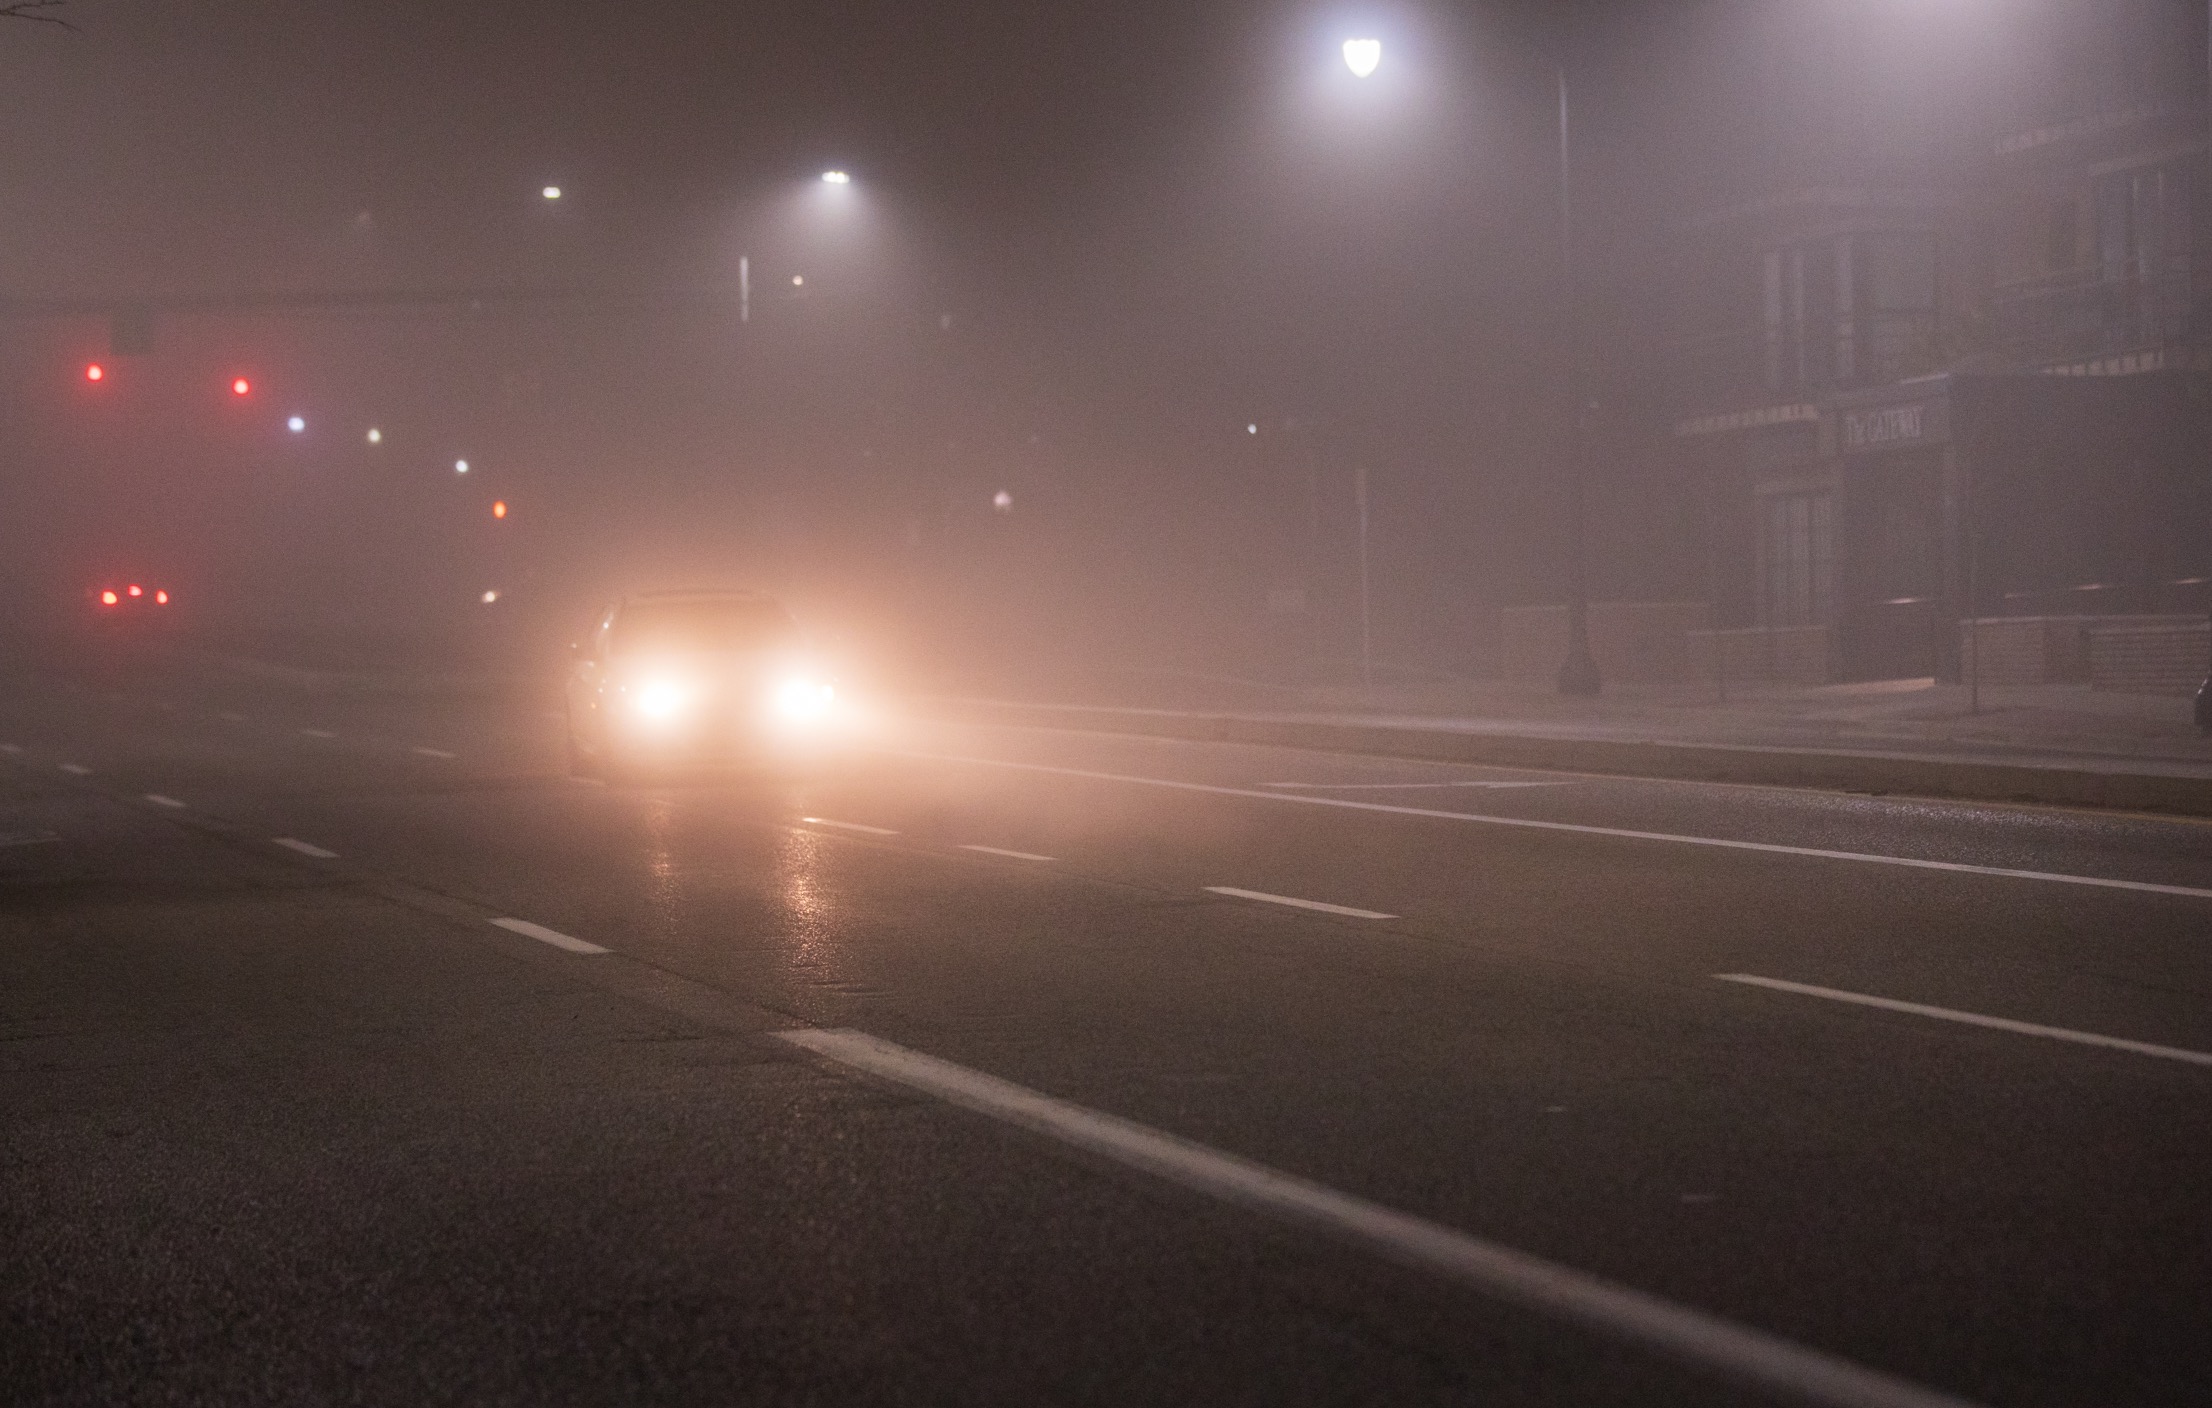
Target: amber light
{"points": [[499, 508]]}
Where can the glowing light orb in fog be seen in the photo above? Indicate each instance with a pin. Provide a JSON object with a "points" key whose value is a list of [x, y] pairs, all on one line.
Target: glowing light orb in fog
{"points": [[551, 193], [95, 372], [836, 178], [296, 424], [1362, 56], [241, 387], [460, 466], [1002, 501], [489, 597], [499, 508], [375, 437]]}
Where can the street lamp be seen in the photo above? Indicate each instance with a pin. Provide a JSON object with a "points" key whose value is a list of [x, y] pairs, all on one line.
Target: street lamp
{"points": [[1578, 674], [836, 178]]}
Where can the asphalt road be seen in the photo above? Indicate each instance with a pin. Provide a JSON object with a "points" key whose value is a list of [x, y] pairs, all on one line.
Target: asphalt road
{"points": [[286, 1116]]}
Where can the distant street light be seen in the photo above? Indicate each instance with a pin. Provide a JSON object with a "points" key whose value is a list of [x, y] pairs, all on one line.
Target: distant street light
{"points": [[499, 508], [551, 193], [296, 424], [1002, 501], [836, 178], [460, 466], [1362, 56], [376, 437]]}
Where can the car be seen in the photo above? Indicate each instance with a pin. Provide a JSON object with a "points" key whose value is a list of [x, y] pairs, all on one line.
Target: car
{"points": [[694, 678]]}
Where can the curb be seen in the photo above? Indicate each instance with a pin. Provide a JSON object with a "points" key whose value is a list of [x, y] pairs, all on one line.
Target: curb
{"points": [[1903, 774]]}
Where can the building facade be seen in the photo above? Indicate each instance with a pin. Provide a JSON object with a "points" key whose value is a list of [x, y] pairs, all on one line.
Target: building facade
{"points": [[1966, 377]]}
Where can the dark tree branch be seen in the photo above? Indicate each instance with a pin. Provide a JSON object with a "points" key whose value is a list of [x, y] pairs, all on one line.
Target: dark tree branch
{"points": [[29, 10]]}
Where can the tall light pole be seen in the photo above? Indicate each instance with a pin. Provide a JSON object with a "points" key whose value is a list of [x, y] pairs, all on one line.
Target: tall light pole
{"points": [[1578, 675]]}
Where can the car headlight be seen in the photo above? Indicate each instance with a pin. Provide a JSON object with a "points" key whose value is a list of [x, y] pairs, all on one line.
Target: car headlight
{"points": [[661, 700], [804, 699]]}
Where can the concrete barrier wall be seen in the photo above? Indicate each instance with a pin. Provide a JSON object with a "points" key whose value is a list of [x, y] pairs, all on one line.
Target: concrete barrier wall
{"points": [[1756, 655], [2028, 649], [1634, 642], [2137, 656]]}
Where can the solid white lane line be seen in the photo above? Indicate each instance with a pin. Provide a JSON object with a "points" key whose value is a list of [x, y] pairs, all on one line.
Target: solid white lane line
{"points": [[1402, 786], [305, 848], [1579, 829], [160, 801], [1010, 855], [1297, 904], [1974, 1019], [76, 769], [548, 936], [433, 752], [848, 826], [1501, 1272], [318, 733]]}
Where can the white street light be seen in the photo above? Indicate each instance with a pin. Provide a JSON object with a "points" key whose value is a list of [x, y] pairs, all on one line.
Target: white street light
{"points": [[460, 466], [551, 193], [1362, 56], [1002, 501], [376, 437], [296, 424], [836, 178]]}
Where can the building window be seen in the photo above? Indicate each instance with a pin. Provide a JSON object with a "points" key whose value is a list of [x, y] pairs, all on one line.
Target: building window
{"points": [[1897, 286], [1797, 559], [2062, 244]]}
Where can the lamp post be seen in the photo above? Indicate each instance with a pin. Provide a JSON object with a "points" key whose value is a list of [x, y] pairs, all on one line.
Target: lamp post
{"points": [[1578, 675]]}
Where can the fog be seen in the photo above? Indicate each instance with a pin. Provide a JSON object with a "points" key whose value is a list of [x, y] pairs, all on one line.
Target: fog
{"points": [[1166, 277]]}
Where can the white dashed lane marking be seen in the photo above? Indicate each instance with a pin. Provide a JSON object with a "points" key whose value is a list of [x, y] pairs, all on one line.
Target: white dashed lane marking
{"points": [[305, 848], [848, 826], [433, 752], [1010, 855], [1792, 1371], [76, 769], [160, 801], [1973, 1019], [1265, 897], [547, 936]]}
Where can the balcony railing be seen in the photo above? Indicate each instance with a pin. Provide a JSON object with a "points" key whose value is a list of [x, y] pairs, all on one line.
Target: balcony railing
{"points": [[2074, 317], [1745, 365]]}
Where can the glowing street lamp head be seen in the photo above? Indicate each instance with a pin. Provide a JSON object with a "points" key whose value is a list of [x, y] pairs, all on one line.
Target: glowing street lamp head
{"points": [[375, 436], [1362, 56], [551, 193], [460, 466], [296, 424], [836, 178]]}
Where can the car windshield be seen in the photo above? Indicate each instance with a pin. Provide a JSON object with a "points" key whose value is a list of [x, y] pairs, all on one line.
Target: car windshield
{"points": [[693, 627]]}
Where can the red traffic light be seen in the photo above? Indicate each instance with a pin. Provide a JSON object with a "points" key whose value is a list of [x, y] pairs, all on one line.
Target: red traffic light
{"points": [[241, 387], [95, 372]]}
